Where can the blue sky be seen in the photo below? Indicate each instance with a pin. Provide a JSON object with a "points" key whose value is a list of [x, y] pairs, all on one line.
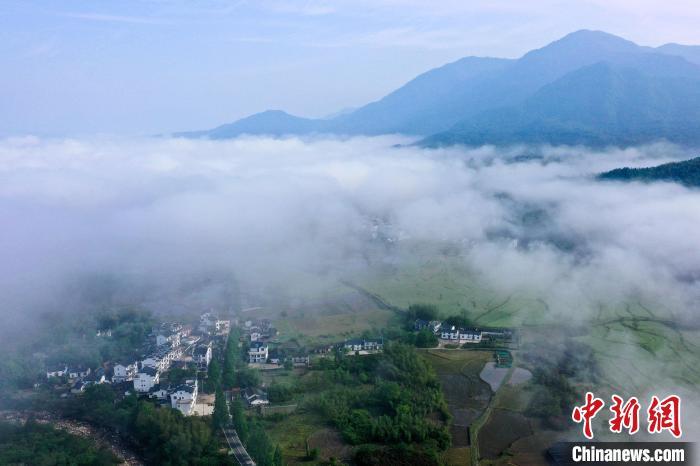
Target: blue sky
{"points": [[145, 66]]}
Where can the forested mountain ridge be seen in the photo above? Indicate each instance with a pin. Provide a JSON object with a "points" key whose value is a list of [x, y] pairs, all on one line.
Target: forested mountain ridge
{"points": [[686, 173]]}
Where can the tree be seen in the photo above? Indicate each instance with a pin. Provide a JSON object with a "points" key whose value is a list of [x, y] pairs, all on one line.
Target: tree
{"points": [[279, 392], [426, 339], [259, 445], [240, 423], [220, 416], [277, 457], [458, 321], [228, 378], [213, 375], [423, 311], [247, 377]]}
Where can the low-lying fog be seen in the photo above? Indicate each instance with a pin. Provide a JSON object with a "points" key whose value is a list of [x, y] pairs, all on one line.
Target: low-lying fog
{"points": [[163, 209]]}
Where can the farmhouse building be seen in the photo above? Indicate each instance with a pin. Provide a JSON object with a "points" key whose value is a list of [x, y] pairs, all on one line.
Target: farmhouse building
{"points": [[124, 372], [146, 379], [57, 371], [184, 397], [454, 334], [255, 397], [359, 344], [257, 353]]}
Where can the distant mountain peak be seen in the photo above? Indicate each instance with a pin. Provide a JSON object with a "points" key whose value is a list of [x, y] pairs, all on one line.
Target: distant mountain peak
{"points": [[587, 42], [589, 87], [592, 34]]}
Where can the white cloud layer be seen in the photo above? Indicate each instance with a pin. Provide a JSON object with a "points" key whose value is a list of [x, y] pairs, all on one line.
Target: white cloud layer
{"points": [[162, 208]]}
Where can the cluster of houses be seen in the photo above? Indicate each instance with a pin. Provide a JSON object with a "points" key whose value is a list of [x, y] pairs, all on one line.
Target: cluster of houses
{"points": [[211, 324], [259, 329], [259, 352], [80, 377], [454, 334], [175, 343], [363, 345], [183, 397], [168, 343]]}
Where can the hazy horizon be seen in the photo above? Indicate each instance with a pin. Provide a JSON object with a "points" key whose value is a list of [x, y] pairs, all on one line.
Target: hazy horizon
{"points": [[144, 67]]}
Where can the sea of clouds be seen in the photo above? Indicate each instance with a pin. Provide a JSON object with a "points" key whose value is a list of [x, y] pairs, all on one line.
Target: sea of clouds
{"points": [[159, 208]]}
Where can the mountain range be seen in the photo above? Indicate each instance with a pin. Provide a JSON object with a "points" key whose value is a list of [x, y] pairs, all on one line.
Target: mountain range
{"points": [[590, 88]]}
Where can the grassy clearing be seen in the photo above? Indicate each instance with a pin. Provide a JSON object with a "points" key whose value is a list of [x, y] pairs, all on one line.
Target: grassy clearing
{"points": [[453, 288], [629, 350], [315, 329], [292, 432], [282, 376]]}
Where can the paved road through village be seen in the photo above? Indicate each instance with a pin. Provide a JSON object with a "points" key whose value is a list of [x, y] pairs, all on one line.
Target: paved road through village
{"points": [[236, 446]]}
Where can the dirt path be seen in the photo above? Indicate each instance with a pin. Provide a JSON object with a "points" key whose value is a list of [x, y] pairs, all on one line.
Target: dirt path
{"points": [[378, 300]]}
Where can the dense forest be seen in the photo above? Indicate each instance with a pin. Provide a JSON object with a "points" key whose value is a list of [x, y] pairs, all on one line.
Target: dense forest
{"points": [[686, 173], [163, 436], [39, 444], [383, 401]]}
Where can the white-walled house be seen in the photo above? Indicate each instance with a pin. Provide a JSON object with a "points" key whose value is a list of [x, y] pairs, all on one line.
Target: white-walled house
{"points": [[373, 344], [157, 362], [57, 371], [168, 338], [159, 393], [455, 334], [202, 355], [257, 353], [300, 361], [184, 397], [78, 372], [146, 379], [207, 322], [124, 372], [354, 344], [359, 344], [222, 326]]}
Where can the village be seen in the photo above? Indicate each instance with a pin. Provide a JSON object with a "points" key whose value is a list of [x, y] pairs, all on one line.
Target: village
{"points": [[215, 364], [190, 350], [171, 345]]}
